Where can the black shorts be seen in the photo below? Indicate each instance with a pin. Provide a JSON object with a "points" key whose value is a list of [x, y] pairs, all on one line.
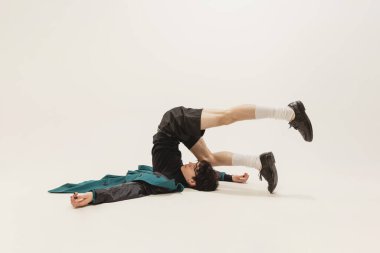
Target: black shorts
{"points": [[181, 123]]}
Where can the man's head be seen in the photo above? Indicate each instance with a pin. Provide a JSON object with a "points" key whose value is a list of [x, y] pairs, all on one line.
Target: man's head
{"points": [[200, 176]]}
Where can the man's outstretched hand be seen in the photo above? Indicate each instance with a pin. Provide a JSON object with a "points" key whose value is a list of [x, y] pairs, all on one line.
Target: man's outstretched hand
{"points": [[80, 200], [240, 178]]}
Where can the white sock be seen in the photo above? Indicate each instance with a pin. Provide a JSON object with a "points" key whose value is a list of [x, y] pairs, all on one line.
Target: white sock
{"points": [[246, 160], [285, 113]]}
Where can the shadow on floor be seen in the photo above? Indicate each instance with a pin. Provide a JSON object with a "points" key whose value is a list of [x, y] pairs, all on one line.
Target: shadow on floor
{"points": [[258, 193]]}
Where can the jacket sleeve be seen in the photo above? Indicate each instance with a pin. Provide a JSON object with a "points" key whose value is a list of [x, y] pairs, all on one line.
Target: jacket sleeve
{"points": [[125, 191], [222, 176]]}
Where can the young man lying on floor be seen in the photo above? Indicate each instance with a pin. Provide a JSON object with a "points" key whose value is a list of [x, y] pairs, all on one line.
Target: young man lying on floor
{"points": [[188, 125]]}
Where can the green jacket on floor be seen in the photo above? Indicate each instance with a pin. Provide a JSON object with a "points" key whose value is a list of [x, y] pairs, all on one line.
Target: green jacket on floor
{"points": [[143, 173]]}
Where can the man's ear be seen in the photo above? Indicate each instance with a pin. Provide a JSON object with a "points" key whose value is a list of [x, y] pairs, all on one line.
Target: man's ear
{"points": [[192, 182]]}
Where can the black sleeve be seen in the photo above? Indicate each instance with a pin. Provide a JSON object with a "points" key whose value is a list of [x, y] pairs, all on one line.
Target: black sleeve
{"points": [[125, 191], [222, 176]]}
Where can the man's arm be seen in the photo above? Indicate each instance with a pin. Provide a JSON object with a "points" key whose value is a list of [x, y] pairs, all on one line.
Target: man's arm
{"points": [[120, 192], [222, 176]]}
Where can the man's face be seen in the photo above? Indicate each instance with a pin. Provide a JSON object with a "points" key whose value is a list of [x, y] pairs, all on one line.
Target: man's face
{"points": [[192, 167]]}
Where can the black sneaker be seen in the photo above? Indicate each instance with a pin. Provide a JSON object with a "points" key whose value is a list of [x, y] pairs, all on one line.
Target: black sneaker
{"points": [[301, 121], [268, 170]]}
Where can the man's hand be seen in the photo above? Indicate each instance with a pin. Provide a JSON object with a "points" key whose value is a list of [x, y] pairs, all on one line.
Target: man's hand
{"points": [[81, 200], [240, 179]]}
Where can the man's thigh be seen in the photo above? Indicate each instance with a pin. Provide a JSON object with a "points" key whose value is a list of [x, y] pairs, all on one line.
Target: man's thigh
{"points": [[201, 151], [213, 118]]}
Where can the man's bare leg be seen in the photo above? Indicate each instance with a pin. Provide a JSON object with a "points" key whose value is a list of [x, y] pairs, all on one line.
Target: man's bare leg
{"points": [[224, 158], [294, 114], [219, 117], [201, 152]]}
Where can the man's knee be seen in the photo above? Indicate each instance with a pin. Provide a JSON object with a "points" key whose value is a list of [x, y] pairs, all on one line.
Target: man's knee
{"points": [[210, 158]]}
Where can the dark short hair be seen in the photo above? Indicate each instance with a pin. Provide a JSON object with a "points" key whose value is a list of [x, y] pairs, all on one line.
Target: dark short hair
{"points": [[205, 177]]}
